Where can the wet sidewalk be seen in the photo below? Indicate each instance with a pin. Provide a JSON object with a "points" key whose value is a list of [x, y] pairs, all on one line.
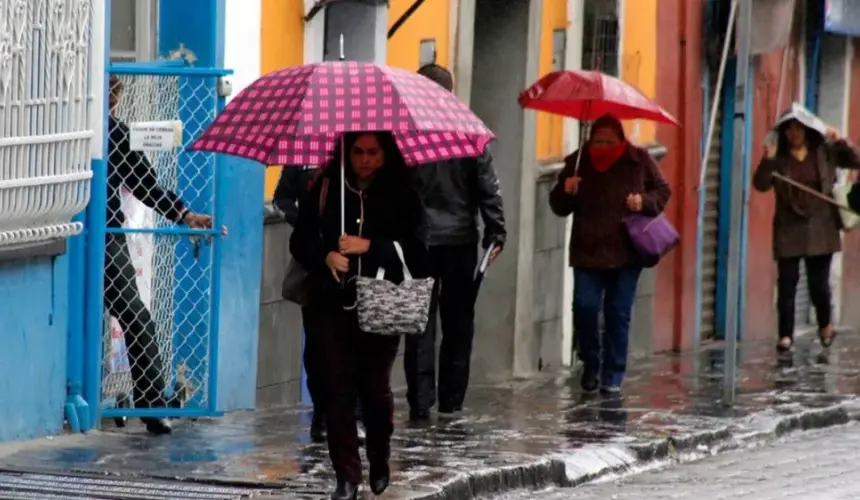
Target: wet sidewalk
{"points": [[524, 434]]}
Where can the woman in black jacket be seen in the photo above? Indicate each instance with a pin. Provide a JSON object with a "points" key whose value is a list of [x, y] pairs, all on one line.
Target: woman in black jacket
{"points": [[381, 208]]}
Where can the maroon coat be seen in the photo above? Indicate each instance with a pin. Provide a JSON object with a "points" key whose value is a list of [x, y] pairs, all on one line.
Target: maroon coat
{"points": [[599, 239], [803, 230]]}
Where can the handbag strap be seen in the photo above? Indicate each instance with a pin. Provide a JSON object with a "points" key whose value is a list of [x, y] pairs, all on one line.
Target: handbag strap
{"points": [[380, 273]]}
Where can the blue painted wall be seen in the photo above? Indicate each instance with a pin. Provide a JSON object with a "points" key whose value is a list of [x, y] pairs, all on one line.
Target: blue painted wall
{"points": [[198, 25], [34, 319]]}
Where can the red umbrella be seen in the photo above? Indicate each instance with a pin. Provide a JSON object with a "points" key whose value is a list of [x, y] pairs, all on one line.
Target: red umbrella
{"points": [[588, 95], [295, 115]]}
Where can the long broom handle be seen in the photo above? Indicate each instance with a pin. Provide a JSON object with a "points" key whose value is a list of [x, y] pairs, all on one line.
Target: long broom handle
{"points": [[813, 192]]}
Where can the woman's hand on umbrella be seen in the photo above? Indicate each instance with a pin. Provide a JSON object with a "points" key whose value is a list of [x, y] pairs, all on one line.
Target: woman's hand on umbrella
{"points": [[832, 135], [353, 245], [571, 185], [634, 202], [336, 263]]}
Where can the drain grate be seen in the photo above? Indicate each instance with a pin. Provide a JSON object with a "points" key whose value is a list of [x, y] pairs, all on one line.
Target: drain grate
{"points": [[20, 486]]}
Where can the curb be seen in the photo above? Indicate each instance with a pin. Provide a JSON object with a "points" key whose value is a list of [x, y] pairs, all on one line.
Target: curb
{"points": [[593, 462]]}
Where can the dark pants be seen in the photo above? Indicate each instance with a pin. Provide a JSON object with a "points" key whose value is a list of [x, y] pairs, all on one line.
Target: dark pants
{"points": [[122, 300], [613, 291], [453, 268], [818, 280], [355, 365], [313, 359]]}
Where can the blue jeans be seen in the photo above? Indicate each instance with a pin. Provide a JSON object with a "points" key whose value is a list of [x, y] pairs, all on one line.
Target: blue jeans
{"points": [[613, 290]]}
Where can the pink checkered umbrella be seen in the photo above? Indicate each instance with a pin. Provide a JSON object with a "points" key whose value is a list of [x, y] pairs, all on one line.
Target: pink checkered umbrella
{"points": [[295, 115]]}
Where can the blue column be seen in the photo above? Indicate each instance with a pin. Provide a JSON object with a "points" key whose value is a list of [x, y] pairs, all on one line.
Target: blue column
{"points": [[725, 201]]}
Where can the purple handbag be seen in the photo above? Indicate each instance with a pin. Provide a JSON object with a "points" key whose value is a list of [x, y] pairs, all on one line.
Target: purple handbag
{"points": [[651, 237]]}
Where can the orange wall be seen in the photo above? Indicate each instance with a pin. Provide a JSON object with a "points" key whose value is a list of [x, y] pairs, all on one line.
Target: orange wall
{"points": [[430, 21], [639, 58], [550, 129], [282, 34]]}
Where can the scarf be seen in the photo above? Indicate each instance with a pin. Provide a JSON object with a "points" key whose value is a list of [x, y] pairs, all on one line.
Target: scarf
{"points": [[603, 157]]}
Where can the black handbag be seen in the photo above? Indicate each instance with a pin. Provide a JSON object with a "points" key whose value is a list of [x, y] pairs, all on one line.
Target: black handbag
{"points": [[295, 287]]}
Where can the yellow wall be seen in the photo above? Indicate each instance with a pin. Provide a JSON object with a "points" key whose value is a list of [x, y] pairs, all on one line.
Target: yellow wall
{"points": [[431, 20], [639, 58], [550, 129], [282, 35]]}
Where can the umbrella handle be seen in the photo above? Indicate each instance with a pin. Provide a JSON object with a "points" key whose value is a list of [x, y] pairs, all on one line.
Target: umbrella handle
{"points": [[342, 185]]}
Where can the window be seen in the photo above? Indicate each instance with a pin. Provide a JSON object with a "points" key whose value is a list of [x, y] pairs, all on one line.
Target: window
{"points": [[133, 30], [600, 36], [427, 52], [559, 40], [45, 132]]}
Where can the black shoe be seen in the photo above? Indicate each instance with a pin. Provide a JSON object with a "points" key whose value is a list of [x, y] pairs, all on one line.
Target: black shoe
{"points": [[419, 415], [345, 491], [380, 477], [589, 382], [157, 426], [318, 429]]}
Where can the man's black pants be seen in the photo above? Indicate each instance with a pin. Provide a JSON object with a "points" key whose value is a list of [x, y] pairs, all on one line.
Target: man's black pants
{"points": [[454, 295], [122, 299]]}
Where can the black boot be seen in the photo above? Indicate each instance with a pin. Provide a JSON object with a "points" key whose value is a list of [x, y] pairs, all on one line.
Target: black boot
{"points": [[345, 491], [380, 477], [318, 429], [157, 426]]}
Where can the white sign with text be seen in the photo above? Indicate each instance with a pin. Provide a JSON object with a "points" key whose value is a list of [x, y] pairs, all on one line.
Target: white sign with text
{"points": [[155, 136]]}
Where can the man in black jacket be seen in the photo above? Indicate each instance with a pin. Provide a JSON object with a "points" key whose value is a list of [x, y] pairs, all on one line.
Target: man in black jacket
{"points": [[453, 193], [293, 186], [131, 170]]}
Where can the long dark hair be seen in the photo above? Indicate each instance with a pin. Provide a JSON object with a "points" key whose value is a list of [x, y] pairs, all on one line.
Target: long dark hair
{"points": [[393, 157], [814, 139]]}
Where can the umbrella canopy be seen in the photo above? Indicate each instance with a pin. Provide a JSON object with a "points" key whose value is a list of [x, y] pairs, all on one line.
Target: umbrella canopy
{"points": [[588, 95], [295, 115]]}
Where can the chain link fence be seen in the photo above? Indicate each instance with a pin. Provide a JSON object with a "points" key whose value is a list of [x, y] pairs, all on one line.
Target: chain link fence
{"points": [[158, 274]]}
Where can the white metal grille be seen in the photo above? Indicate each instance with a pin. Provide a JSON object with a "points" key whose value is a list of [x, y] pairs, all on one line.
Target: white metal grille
{"points": [[45, 131]]}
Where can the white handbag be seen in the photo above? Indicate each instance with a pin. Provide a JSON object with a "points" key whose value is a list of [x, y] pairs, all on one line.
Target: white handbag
{"points": [[850, 219], [386, 308]]}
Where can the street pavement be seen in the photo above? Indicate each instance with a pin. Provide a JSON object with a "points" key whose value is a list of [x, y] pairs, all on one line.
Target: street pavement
{"points": [[533, 433], [818, 465]]}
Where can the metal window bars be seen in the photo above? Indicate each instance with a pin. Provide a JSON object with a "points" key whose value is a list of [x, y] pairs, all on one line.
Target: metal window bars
{"points": [[45, 132]]}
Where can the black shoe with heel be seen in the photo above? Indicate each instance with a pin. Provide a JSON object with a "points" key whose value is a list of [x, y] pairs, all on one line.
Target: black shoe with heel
{"points": [[380, 477], [345, 491]]}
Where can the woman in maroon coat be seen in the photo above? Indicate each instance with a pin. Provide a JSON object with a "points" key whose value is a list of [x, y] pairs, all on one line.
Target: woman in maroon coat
{"points": [[614, 179]]}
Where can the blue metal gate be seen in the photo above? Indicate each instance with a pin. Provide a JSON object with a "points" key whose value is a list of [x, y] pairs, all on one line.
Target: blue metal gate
{"points": [[161, 276]]}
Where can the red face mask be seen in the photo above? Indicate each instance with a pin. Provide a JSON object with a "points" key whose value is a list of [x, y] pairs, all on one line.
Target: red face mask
{"points": [[603, 157]]}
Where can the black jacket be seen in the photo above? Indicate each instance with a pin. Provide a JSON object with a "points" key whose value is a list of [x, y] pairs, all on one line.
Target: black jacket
{"points": [[133, 170], [292, 188], [387, 211], [453, 192]]}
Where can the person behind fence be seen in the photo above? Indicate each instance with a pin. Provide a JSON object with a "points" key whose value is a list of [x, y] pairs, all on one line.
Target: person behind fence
{"points": [[805, 227], [612, 180], [453, 193], [132, 170], [382, 212], [292, 189]]}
